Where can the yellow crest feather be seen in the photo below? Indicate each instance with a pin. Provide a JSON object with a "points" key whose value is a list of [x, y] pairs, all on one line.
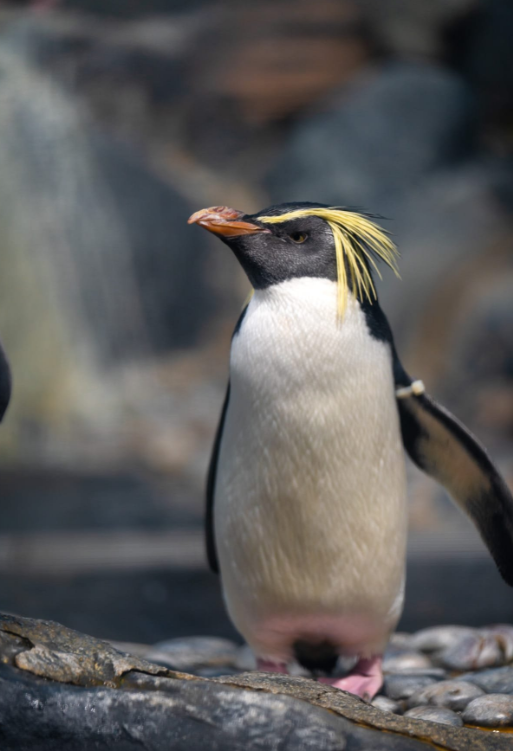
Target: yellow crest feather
{"points": [[356, 238]]}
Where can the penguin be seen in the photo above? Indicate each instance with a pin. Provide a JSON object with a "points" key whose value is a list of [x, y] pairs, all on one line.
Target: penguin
{"points": [[5, 383], [306, 517]]}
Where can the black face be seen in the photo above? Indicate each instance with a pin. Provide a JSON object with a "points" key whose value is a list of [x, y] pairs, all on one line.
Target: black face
{"points": [[296, 248], [302, 247]]}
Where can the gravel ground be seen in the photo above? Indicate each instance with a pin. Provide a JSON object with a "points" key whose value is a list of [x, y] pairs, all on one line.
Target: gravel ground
{"points": [[420, 676]]}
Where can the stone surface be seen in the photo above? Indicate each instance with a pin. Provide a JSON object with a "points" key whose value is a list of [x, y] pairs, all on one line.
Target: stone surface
{"points": [[413, 27], [53, 651], [124, 702], [491, 711], [182, 716], [485, 56], [404, 661], [424, 116], [402, 686], [471, 652], [399, 641], [456, 739], [453, 695], [435, 714], [245, 658], [386, 704], [194, 652], [439, 637], [503, 633], [495, 681]]}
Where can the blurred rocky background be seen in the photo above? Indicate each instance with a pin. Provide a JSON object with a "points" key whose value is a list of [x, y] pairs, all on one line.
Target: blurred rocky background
{"points": [[119, 118]]}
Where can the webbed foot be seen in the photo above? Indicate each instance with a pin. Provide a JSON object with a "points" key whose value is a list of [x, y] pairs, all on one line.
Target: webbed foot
{"points": [[364, 680]]}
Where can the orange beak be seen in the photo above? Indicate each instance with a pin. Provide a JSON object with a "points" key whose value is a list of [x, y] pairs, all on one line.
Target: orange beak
{"points": [[224, 221]]}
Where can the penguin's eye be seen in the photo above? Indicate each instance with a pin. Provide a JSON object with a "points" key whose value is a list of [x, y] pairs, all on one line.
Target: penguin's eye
{"points": [[298, 237]]}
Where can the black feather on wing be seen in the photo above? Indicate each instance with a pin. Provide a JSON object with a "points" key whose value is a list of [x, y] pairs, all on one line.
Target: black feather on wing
{"points": [[446, 450], [5, 383], [211, 482], [212, 474]]}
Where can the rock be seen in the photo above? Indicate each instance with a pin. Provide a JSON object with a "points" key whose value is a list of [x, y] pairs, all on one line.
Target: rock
{"points": [[238, 73], [413, 28], [400, 641], [122, 703], [402, 686], [195, 652], [133, 648], [433, 243], [404, 661], [503, 633], [423, 114], [386, 704], [439, 637], [186, 715], [435, 714], [487, 329], [455, 739], [477, 650], [453, 695], [153, 213], [495, 681], [245, 658], [485, 57], [491, 711], [120, 9], [120, 213], [57, 653], [213, 672], [439, 674]]}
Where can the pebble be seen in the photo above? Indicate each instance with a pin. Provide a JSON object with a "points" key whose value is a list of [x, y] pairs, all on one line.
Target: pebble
{"points": [[245, 659], [453, 695], [490, 711], [438, 638], [504, 635], [211, 672], [399, 662], [403, 685], [472, 652], [386, 704], [494, 681], [415, 669], [194, 652], [435, 714], [400, 640]]}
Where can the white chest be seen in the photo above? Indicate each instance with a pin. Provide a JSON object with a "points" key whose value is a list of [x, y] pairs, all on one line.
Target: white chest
{"points": [[310, 487]]}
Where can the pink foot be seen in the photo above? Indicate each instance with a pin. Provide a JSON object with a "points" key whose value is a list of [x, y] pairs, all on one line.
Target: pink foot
{"points": [[267, 666], [364, 680]]}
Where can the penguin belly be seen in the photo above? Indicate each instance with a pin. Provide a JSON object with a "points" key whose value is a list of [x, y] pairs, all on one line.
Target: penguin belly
{"points": [[310, 512]]}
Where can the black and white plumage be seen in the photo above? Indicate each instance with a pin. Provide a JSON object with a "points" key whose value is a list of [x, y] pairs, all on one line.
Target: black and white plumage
{"points": [[5, 383], [306, 496]]}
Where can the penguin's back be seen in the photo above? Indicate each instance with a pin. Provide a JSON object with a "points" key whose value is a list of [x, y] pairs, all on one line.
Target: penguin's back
{"points": [[310, 511]]}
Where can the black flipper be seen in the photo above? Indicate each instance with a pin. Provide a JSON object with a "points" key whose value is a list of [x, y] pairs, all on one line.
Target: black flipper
{"points": [[211, 481], [5, 383], [441, 446], [212, 472]]}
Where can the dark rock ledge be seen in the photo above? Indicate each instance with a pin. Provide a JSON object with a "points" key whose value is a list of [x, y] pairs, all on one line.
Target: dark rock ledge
{"points": [[62, 689]]}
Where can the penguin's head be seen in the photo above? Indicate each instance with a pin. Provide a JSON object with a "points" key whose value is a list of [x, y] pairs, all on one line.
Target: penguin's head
{"points": [[303, 240]]}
